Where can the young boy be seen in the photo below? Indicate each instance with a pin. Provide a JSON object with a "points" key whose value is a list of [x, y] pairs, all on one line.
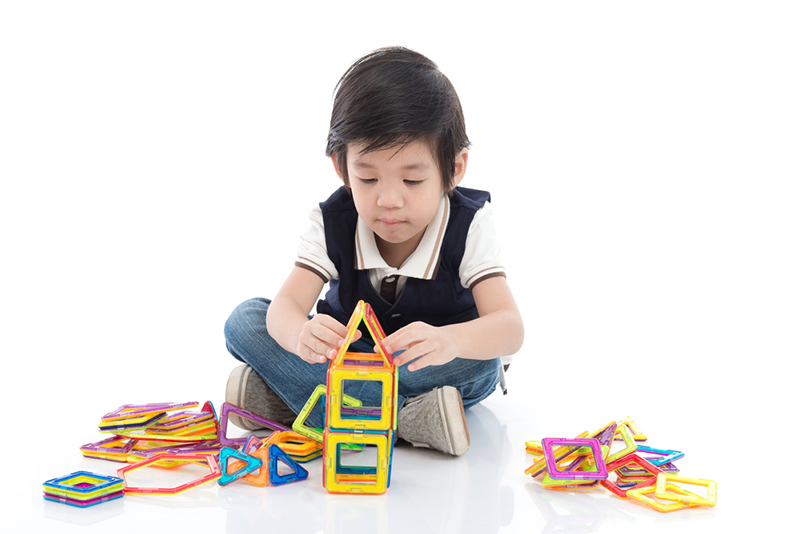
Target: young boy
{"points": [[400, 235]]}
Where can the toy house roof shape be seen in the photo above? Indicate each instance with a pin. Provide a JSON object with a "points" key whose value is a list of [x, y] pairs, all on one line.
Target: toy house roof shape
{"points": [[363, 313]]}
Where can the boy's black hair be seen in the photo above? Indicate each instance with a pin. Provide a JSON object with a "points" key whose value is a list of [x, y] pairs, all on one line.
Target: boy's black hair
{"points": [[392, 97]]}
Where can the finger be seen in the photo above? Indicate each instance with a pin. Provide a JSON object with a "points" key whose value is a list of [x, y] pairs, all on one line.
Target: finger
{"points": [[417, 351], [335, 326], [317, 348], [420, 363], [325, 335], [391, 338], [340, 343], [377, 348], [310, 356], [403, 340], [340, 333], [356, 336], [311, 350]]}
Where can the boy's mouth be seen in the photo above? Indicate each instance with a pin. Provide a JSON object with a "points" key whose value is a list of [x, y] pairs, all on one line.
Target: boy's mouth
{"points": [[390, 223]]}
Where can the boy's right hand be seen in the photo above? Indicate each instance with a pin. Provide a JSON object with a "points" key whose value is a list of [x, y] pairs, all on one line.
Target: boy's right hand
{"points": [[321, 338]]}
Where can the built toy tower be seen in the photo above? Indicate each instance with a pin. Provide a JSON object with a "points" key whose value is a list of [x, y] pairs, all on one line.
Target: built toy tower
{"points": [[360, 427]]}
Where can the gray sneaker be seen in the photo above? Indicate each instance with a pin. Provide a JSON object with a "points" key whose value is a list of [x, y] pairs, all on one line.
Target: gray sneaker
{"points": [[435, 420], [248, 391]]}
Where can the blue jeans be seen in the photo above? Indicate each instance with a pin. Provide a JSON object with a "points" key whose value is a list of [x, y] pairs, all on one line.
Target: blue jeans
{"points": [[294, 379]]}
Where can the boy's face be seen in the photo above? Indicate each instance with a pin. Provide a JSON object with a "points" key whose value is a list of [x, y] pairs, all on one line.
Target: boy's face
{"points": [[396, 192]]}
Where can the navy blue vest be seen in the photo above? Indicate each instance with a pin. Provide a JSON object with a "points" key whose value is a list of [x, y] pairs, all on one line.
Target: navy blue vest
{"points": [[438, 302]]}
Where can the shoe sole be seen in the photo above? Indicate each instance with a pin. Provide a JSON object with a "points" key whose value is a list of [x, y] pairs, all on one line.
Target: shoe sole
{"points": [[451, 409], [235, 394]]}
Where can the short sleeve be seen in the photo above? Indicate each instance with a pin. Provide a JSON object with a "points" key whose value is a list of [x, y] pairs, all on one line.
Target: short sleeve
{"points": [[312, 252], [482, 255]]}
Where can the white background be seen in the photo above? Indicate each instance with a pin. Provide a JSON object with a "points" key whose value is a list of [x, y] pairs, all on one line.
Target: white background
{"points": [[158, 161]]}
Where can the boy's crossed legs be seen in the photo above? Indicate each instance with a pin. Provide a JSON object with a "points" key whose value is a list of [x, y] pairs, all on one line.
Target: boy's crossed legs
{"points": [[432, 399]]}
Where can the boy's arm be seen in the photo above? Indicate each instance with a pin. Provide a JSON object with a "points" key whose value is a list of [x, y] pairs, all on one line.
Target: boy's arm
{"points": [[313, 340], [497, 332]]}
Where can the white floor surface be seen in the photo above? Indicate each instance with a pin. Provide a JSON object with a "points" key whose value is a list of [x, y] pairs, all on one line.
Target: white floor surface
{"points": [[483, 491]]}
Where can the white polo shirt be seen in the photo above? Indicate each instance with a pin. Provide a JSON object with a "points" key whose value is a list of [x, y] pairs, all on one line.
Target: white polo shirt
{"points": [[482, 256]]}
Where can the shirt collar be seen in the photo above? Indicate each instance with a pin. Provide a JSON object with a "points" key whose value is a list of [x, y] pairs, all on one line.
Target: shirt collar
{"points": [[423, 261]]}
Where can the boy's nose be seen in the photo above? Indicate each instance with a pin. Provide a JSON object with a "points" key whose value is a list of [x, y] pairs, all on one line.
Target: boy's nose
{"points": [[389, 197]]}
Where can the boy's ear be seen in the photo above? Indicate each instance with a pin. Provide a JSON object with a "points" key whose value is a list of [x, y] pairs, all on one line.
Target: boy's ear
{"points": [[461, 166], [339, 172], [336, 167]]}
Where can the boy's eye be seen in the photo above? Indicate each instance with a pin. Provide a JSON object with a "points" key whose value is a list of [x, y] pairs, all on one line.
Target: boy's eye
{"points": [[367, 180], [413, 182]]}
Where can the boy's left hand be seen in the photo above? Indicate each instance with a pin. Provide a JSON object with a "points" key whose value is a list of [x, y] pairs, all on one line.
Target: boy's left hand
{"points": [[423, 344]]}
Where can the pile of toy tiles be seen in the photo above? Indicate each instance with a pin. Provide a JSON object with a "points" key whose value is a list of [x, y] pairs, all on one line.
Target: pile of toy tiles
{"points": [[170, 435], [637, 471], [83, 489]]}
